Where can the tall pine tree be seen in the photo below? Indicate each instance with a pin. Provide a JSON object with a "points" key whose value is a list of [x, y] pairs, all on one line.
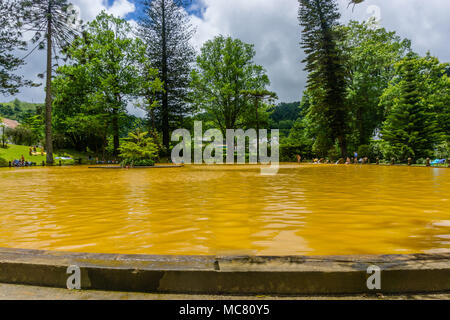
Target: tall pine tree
{"points": [[326, 71], [410, 128], [54, 23], [166, 30]]}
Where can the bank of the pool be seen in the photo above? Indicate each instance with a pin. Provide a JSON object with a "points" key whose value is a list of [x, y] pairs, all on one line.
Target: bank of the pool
{"points": [[295, 275]]}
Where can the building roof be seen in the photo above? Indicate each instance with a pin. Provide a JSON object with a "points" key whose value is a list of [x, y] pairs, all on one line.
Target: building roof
{"points": [[9, 123]]}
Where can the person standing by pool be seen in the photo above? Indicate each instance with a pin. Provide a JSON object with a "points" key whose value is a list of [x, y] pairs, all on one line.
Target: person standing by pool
{"points": [[299, 158]]}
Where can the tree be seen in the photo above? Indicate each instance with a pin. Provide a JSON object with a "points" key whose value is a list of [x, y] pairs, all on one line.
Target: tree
{"points": [[283, 117], [55, 25], [258, 96], [371, 53], [410, 128], [77, 116], [166, 30], [138, 149], [10, 40], [3, 137], [326, 70], [225, 69], [105, 75]]}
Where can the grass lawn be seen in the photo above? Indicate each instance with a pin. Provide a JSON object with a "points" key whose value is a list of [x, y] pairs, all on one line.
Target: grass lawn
{"points": [[13, 152]]}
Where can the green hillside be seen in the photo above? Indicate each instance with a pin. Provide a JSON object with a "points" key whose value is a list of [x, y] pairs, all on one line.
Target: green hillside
{"points": [[17, 110]]}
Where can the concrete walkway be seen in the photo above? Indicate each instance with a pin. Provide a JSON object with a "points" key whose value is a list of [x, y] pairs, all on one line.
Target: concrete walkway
{"points": [[21, 292], [216, 275]]}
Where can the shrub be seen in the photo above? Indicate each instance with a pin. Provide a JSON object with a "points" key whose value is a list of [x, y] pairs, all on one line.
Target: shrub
{"points": [[138, 163], [138, 149], [334, 154], [421, 161], [364, 151], [22, 136], [442, 151], [289, 152]]}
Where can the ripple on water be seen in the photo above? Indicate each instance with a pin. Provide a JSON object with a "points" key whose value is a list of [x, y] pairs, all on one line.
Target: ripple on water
{"points": [[227, 209]]}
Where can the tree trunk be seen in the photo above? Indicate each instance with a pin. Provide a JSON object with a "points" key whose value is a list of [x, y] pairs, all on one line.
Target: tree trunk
{"points": [[48, 97], [257, 131], [165, 97], [342, 146]]}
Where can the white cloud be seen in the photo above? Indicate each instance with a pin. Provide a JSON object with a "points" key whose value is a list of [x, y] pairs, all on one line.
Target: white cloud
{"points": [[272, 26], [89, 9]]}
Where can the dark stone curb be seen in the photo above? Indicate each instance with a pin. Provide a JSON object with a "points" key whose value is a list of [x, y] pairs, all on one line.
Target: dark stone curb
{"points": [[295, 275]]}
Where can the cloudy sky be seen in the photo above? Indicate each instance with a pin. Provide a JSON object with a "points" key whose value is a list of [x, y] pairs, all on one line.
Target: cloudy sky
{"points": [[272, 26]]}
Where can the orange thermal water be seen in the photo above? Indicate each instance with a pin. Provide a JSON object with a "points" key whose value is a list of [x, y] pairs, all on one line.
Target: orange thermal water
{"points": [[303, 210]]}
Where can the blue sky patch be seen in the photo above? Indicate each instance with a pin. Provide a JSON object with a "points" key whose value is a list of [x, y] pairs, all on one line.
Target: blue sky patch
{"points": [[193, 7]]}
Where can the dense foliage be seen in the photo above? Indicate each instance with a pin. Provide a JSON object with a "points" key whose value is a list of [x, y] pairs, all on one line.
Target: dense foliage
{"points": [[225, 68], [326, 72], [10, 40], [93, 91], [166, 30], [367, 92]]}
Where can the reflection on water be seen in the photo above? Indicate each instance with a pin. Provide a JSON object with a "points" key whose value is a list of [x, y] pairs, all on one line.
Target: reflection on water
{"points": [[227, 210]]}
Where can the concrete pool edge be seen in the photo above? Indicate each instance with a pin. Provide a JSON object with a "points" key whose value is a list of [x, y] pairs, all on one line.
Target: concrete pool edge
{"points": [[294, 275]]}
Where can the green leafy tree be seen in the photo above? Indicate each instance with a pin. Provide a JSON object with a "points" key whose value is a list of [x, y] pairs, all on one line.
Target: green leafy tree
{"points": [[225, 69], [167, 31], [54, 23], [78, 118], [258, 96], [326, 71], [371, 53], [138, 149], [107, 71], [411, 128]]}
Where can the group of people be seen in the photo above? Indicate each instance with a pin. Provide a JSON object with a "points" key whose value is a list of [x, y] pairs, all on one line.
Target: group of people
{"points": [[33, 151], [21, 163], [349, 160]]}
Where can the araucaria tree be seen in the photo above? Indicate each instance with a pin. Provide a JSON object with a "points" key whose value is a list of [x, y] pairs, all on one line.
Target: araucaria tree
{"points": [[166, 30], [411, 127], [10, 40], [54, 23], [326, 71], [225, 73]]}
